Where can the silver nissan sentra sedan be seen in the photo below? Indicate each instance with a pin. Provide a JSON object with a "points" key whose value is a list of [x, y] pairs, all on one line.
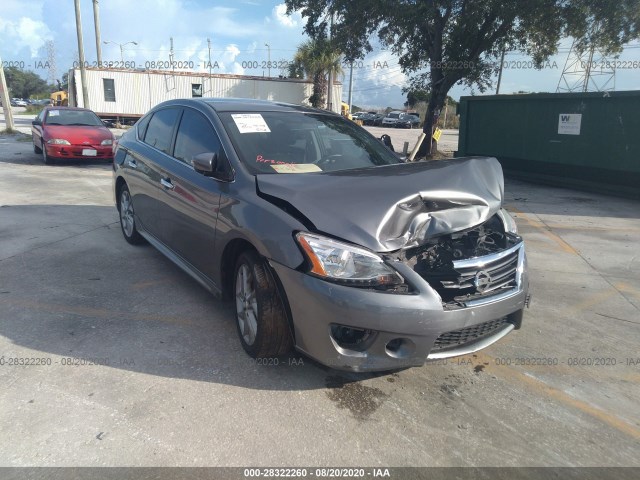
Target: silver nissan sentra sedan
{"points": [[326, 240]]}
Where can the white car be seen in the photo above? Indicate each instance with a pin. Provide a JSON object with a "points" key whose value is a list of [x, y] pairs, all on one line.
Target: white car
{"points": [[391, 119]]}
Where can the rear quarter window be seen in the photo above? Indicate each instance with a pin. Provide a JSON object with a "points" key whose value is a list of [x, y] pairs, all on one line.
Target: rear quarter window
{"points": [[160, 130]]}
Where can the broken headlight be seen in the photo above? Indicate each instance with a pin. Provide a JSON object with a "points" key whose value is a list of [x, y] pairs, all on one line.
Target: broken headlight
{"points": [[344, 263], [508, 221]]}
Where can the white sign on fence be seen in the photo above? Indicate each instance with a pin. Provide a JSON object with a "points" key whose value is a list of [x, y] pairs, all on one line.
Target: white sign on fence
{"points": [[569, 123]]}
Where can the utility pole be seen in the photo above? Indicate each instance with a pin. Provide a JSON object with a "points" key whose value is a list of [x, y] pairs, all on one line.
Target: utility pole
{"points": [[6, 105], [330, 83], [210, 79], [500, 74], [173, 65], [350, 85], [171, 56], [83, 72], [96, 23], [446, 108]]}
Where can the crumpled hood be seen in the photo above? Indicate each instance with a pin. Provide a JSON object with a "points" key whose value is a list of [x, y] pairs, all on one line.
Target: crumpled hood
{"points": [[397, 206]]}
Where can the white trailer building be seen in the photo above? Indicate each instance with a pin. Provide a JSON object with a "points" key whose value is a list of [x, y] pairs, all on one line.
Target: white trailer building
{"points": [[120, 93]]}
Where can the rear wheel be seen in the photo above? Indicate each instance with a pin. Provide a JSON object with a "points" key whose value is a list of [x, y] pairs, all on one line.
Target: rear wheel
{"points": [[127, 217], [260, 313]]}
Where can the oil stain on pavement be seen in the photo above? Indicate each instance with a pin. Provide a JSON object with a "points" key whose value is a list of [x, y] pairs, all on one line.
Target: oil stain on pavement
{"points": [[362, 401]]}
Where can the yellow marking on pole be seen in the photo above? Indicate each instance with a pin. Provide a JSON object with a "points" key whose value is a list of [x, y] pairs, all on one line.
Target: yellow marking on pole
{"points": [[437, 134]]}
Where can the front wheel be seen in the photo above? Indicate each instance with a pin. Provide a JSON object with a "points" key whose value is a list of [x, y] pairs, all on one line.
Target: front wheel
{"points": [[260, 314], [45, 157], [127, 217]]}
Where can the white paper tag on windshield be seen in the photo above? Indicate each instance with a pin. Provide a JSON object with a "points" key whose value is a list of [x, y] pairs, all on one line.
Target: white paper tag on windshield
{"points": [[54, 113], [296, 168], [250, 123]]}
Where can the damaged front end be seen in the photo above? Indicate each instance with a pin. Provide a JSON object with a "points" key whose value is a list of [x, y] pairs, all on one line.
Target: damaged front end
{"points": [[470, 267], [404, 264]]}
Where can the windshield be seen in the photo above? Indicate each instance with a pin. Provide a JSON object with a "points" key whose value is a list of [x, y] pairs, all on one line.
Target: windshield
{"points": [[393, 115], [295, 142], [72, 117]]}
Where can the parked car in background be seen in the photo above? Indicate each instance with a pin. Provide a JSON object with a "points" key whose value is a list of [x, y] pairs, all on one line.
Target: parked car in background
{"points": [[18, 102], [408, 120], [320, 235], [391, 119], [71, 133], [377, 121], [368, 118]]}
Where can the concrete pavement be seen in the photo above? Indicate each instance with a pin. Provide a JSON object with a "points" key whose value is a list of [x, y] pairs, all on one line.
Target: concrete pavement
{"points": [[110, 355]]}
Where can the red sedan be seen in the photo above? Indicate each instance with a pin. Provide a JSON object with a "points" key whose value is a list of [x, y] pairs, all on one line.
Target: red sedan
{"points": [[67, 133]]}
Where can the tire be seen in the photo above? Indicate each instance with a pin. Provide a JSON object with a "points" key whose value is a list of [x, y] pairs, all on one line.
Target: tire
{"points": [[36, 149], [127, 217], [46, 158], [261, 318]]}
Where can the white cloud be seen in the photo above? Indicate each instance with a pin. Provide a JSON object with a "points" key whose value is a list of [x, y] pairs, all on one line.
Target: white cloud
{"points": [[231, 52], [279, 14], [25, 32]]}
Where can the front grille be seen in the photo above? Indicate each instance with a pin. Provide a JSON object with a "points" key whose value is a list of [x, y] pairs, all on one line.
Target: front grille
{"points": [[479, 279], [467, 335]]}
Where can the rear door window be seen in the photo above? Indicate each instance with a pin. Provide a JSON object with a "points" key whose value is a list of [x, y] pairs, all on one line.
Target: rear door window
{"points": [[160, 130]]}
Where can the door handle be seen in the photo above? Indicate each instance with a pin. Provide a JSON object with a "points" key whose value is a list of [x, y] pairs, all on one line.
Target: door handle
{"points": [[132, 164], [166, 183]]}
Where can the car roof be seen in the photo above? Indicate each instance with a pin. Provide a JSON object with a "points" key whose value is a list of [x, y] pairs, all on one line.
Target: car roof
{"points": [[245, 105]]}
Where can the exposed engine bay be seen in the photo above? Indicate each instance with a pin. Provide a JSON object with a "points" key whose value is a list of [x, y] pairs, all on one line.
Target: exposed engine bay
{"points": [[434, 260]]}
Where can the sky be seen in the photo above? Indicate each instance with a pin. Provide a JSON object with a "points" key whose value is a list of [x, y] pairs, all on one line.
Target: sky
{"points": [[239, 32]]}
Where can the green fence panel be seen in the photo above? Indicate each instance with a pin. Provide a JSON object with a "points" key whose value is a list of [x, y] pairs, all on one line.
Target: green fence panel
{"points": [[590, 140]]}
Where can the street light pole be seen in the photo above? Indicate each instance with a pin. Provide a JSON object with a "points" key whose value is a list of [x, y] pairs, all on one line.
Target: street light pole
{"points": [[121, 45], [268, 59]]}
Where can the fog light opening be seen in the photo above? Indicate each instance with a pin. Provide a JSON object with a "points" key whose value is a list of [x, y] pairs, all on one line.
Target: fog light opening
{"points": [[349, 337], [400, 348]]}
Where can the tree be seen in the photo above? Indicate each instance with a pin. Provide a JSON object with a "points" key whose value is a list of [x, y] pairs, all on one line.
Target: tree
{"points": [[317, 57], [415, 96], [441, 43], [64, 84], [24, 83]]}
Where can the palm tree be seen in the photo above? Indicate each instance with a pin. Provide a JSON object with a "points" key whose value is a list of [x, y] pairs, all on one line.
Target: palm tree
{"points": [[318, 57]]}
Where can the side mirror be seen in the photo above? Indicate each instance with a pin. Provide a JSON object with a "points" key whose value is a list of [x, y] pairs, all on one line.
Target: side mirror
{"points": [[36, 122], [205, 163]]}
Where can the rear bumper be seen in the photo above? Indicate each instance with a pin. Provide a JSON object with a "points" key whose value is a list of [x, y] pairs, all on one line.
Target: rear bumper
{"points": [[418, 320], [78, 152]]}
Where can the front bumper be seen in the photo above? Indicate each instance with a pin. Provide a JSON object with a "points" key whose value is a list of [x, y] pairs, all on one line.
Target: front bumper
{"points": [[79, 151], [418, 320]]}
